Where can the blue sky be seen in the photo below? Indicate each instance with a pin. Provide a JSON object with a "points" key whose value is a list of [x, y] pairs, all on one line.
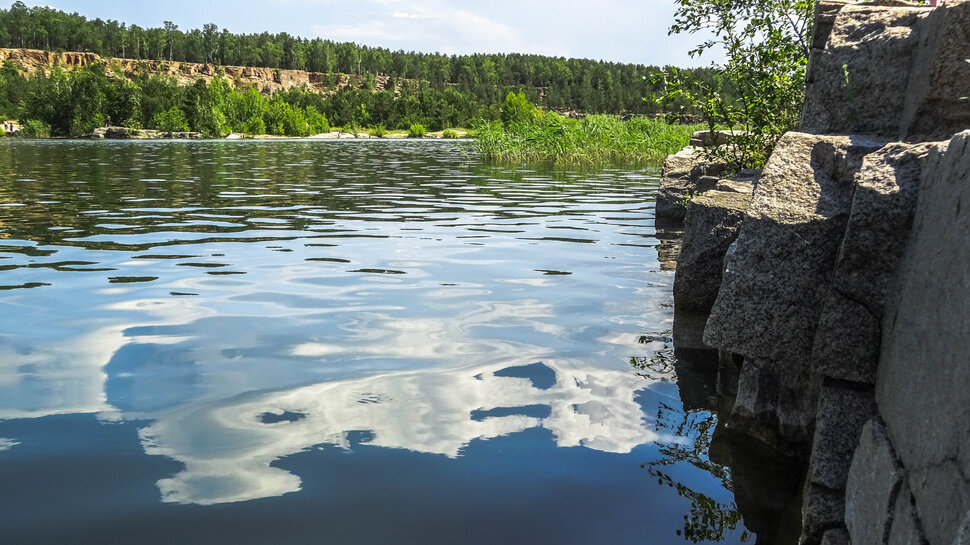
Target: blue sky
{"points": [[616, 30]]}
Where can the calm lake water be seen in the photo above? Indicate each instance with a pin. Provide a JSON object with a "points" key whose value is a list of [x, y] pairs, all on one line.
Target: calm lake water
{"points": [[338, 342]]}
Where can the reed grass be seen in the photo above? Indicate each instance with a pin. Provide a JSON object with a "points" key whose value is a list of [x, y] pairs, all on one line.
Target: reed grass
{"points": [[596, 140]]}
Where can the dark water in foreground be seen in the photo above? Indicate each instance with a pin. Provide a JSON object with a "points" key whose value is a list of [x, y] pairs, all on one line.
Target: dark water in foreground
{"points": [[330, 342]]}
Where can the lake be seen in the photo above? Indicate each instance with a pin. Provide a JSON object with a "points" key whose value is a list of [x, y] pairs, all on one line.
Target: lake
{"points": [[300, 342]]}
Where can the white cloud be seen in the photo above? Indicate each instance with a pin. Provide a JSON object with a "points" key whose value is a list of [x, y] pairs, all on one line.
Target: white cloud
{"points": [[436, 26]]}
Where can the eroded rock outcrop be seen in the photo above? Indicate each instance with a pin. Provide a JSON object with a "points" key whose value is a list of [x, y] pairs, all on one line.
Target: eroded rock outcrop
{"points": [[858, 85], [267, 80]]}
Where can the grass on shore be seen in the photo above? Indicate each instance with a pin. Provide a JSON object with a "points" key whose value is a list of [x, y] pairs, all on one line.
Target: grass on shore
{"points": [[593, 141]]}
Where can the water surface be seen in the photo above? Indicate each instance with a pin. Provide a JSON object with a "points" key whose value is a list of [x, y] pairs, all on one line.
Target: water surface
{"points": [[346, 342]]}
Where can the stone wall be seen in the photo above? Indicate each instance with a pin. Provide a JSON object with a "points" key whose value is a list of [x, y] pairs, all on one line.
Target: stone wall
{"points": [[844, 286]]}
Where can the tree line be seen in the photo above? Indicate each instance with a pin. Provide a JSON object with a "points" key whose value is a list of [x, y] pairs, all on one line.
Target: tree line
{"points": [[75, 102], [563, 84]]}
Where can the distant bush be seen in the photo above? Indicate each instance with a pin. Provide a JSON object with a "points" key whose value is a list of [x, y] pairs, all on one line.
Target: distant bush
{"points": [[35, 129], [449, 134], [378, 131], [254, 125], [518, 109], [171, 120], [417, 130], [317, 121]]}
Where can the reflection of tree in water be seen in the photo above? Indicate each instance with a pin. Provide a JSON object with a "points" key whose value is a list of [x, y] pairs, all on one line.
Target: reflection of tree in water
{"points": [[707, 520], [659, 366]]}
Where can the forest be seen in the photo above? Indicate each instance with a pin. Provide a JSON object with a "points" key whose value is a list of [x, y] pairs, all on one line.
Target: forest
{"points": [[555, 83], [73, 103]]}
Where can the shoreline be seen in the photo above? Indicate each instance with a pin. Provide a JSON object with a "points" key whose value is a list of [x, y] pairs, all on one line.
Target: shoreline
{"points": [[126, 133]]}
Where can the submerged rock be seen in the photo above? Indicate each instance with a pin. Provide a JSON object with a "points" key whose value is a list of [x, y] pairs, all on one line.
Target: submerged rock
{"points": [[670, 235], [766, 485]]}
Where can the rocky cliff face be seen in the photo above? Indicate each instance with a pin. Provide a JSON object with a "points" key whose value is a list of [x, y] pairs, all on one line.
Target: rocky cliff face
{"points": [[267, 80], [846, 292]]}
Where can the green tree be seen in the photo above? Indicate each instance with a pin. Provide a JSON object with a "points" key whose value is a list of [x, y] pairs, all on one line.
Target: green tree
{"points": [[594, 86], [765, 43], [13, 89], [317, 122], [417, 131], [171, 120], [518, 109]]}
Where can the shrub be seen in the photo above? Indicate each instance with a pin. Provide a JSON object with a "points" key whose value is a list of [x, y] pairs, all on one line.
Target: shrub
{"points": [[254, 125], [378, 131], [317, 121], [35, 129], [449, 134], [417, 130], [171, 120], [294, 122], [518, 109], [595, 140], [765, 47]]}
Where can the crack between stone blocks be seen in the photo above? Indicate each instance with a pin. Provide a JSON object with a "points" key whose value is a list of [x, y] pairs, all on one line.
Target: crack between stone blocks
{"points": [[855, 300], [897, 486], [898, 463], [862, 387], [822, 528], [829, 489]]}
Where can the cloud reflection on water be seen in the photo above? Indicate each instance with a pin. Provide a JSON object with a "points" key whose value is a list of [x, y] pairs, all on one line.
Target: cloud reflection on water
{"points": [[213, 419], [418, 361], [227, 448]]}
